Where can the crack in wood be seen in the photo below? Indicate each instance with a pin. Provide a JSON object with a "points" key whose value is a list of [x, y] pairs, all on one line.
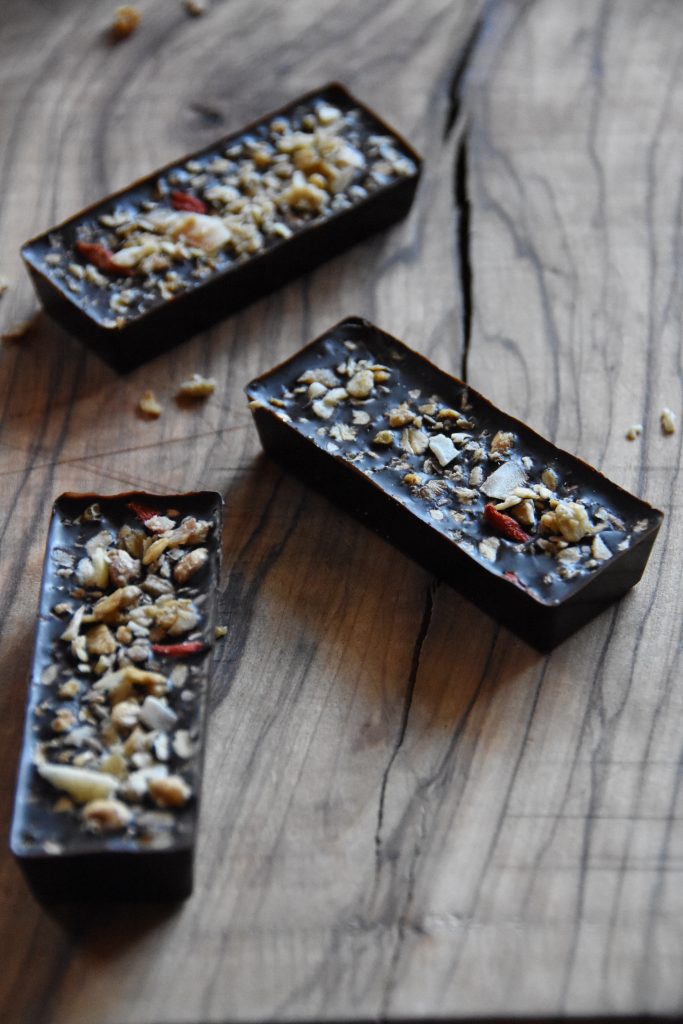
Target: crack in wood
{"points": [[407, 704], [462, 203]]}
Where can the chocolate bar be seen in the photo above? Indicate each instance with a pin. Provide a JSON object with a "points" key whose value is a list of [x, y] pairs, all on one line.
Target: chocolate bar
{"points": [[169, 255], [108, 791], [531, 534]]}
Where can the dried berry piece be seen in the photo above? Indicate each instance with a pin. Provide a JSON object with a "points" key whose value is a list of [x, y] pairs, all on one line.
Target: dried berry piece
{"points": [[143, 512], [101, 257], [504, 525], [182, 650], [185, 201]]}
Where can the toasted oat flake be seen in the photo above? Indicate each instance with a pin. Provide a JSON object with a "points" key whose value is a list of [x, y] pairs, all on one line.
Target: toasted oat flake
{"points": [[149, 406]]}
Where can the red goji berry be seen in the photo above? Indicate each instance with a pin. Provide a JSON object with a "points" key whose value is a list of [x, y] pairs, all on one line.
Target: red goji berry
{"points": [[101, 257], [185, 201], [182, 650], [143, 512], [505, 525]]}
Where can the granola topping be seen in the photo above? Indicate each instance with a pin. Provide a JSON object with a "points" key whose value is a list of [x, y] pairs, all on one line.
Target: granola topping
{"points": [[526, 518], [222, 207], [115, 732]]}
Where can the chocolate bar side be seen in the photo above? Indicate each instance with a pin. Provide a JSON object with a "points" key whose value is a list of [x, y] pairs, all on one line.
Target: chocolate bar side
{"points": [[129, 340], [135, 722], [542, 621]]}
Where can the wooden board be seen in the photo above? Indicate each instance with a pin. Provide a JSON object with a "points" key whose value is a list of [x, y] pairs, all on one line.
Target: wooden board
{"points": [[407, 812]]}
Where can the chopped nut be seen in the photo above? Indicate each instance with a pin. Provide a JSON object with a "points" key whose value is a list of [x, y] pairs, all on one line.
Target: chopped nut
{"points": [[68, 690], [109, 607], [550, 478], [149, 406], [126, 20], [99, 640], [401, 416], [119, 685], [412, 479], [569, 519], [488, 548], [197, 387], [157, 715], [599, 549], [634, 431], [81, 784], [63, 720], [361, 384], [414, 441], [360, 418], [383, 437], [502, 442], [189, 564], [220, 632], [106, 815], [171, 791], [125, 714], [668, 421], [123, 569]]}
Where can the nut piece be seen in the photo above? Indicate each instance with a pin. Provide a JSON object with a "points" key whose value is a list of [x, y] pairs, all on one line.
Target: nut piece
{"points": [[149, 406], [196, 386], [401, 416], [106, 815], [171, 791], [361, 384], [668, 420], [126, 20], [99, 640], [81, 784], [384, 437], [634, 431], [569, 519], [189, 564], [109, 606], [502, 442]]}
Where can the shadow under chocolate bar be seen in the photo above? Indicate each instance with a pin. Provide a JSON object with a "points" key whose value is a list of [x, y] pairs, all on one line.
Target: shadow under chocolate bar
{"points": [[204, 236], [107, 798], [531, 534]]}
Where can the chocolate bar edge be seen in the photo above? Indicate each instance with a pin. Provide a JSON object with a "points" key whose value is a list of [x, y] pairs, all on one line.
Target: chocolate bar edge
{"points": [[139, 875], [147, 334], [543, 624]]}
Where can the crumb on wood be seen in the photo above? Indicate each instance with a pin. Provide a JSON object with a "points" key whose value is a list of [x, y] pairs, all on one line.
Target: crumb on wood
{"points": [[668, 420], [634, 431], [126, 20], [149, 405], [196, 7]]}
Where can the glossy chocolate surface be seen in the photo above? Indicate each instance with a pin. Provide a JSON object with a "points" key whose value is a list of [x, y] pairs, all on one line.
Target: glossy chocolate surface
{"points": [[210, 232], [544, 544], [129, 717]]}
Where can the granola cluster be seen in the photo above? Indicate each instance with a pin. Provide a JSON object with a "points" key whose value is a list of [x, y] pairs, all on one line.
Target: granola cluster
{"points": [[116, 728], [224, 207], [476, 483]]}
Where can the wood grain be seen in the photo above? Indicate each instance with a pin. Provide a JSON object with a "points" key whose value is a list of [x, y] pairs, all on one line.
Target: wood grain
{"points": [[406, 812]]}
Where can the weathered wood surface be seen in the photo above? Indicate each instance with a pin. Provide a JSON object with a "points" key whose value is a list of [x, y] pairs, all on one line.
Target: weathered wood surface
{"points": [[407, 812]]}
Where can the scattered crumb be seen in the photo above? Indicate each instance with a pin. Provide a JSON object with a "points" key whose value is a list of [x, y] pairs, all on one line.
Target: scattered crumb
{"points": [[668, 420], [149, 405], [18, 331], [196, 7], [221, 631], [634, 431], [126, 20], [197, 386]]}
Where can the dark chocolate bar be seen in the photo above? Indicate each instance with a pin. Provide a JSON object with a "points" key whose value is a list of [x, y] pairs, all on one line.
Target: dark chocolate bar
{"points": [[530, 533], [107, 798], [205, 235]]}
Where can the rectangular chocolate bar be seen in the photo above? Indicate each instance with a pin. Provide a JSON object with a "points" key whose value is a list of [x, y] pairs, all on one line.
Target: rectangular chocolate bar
{"points": [[107, 797], [203, 236], [530, 533]]}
